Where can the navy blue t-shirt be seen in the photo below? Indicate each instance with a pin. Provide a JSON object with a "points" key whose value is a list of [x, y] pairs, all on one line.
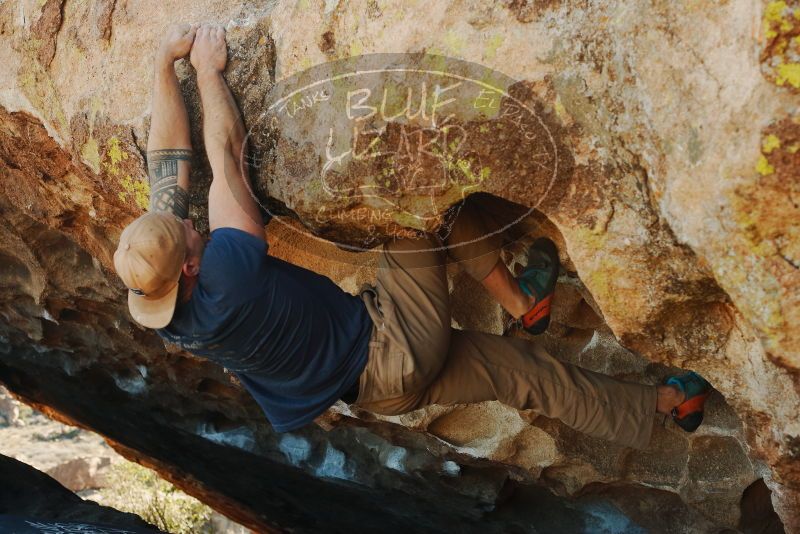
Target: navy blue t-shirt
{"points": [[296, 341]]}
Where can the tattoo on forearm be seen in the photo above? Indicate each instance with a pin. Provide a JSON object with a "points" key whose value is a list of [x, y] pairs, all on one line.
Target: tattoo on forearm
{"points": [[165, 193]]}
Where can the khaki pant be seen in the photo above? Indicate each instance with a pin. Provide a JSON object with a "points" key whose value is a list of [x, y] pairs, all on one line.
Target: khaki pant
{"points": [[417, 359]]}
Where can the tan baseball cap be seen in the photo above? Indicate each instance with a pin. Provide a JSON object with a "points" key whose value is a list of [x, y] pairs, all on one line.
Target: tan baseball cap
{"points": [[149, 259]]}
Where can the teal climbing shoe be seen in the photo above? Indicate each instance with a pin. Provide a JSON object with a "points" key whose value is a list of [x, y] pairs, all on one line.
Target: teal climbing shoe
{"points": [[689, 414], [539, 281]]}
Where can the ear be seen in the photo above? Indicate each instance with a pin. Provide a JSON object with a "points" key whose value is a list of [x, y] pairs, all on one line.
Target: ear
{"points": [[191, 267]]}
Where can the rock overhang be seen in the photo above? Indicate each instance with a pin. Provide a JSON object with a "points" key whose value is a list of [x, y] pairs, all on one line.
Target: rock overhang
{"points": [[655, 246]]}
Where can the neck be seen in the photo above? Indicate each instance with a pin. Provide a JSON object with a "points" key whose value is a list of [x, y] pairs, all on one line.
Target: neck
{"points": [[187, 284]]}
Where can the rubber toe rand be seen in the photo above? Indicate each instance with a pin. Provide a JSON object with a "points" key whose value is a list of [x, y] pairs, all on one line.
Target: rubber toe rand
{"points": [[539, 281], [689, 414]]}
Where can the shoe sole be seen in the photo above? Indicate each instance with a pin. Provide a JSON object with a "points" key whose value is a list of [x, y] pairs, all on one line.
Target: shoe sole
{"points": [[549, 249]]}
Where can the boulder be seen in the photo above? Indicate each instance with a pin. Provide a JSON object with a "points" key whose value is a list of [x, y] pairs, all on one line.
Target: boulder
{"points": [[32, 502], [9, 408], [656, 144], [80, 474]]}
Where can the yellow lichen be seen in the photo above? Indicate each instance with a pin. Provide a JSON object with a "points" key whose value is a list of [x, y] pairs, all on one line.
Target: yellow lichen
{"points": [[789, 72], [409, 220], [138, 189], [561, 111], [604, 283], [491, 47], [356, 48], [594, 237], [90, 152], [115, 152], [466, 169], [115, 155], [775, 320], [774, 11], [764, 249], [305, 63], [773, 19], [763, 167], [454, 193], [455, 43], [770, 143]]}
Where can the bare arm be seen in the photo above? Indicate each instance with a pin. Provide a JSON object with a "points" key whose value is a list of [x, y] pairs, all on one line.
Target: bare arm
{"points": [[169, 147], [230, 199]]}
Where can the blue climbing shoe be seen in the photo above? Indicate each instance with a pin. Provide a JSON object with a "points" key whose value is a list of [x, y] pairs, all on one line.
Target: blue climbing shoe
{"points": [[689, 414], [539, 281]]}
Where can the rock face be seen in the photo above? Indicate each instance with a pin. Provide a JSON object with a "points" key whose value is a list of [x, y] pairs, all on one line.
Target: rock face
{"points": [[659, 149], [81, 473], [9, 408], [41, 504]]}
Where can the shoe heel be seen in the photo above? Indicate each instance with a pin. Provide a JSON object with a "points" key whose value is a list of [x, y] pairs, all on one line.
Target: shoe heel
{"points": [[689, 414], [690, 423]]}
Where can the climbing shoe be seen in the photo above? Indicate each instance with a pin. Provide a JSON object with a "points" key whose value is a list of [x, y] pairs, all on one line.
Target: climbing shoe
{"points": [[539, 281], [689, 414]]}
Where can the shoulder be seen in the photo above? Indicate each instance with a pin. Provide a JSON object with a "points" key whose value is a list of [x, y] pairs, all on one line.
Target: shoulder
{"points": [[236, 237], [227, 244], [232, 257]]}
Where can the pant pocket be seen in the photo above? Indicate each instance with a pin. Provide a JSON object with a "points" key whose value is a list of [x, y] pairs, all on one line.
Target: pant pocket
{"points": [[384, 372]]}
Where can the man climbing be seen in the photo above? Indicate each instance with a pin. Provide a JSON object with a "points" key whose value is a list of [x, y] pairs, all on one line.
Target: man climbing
{"points": [[298, 343]]}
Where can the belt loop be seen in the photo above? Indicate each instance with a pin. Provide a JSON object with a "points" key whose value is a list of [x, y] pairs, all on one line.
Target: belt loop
{"points": [[369, 295]]}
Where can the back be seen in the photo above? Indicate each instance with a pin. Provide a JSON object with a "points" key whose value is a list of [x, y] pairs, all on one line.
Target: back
{"points": [[296, 341]]}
